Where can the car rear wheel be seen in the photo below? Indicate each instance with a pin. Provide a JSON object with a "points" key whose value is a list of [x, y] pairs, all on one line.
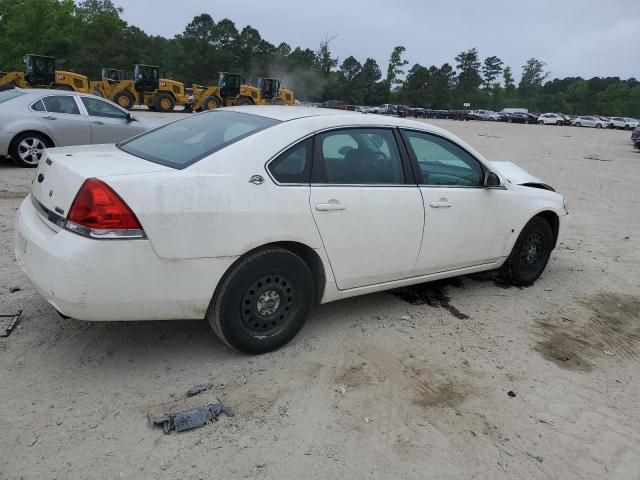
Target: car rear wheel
{"points": [[263, 302], [540, 122], [530, 253], [578, 124], [598, 125], [27, 149]]}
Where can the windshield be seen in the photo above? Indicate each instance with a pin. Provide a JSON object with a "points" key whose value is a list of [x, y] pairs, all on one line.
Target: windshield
{"points": [[9, 95], [187, 141]]}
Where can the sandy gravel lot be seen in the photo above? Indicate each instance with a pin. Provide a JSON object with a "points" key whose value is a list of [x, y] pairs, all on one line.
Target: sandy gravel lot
{"points": [[373, 387]]}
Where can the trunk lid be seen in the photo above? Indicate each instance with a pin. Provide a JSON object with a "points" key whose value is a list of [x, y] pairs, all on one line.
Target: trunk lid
{"points": [[62, 171]]}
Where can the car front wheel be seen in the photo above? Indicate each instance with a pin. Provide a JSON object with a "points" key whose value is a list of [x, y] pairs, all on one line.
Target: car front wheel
{"points": [[530, 253], [263, 302]]}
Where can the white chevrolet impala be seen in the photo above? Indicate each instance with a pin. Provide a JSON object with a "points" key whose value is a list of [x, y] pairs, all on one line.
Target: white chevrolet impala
{"points": [[249, 216]]}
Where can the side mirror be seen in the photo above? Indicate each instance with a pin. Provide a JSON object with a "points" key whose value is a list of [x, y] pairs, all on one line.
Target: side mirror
{"points": [[491, 180], [131, 118]]}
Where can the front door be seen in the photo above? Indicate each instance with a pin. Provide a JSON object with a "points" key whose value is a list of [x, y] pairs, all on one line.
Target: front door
{"points": [[370, 217], [109, 124], [466, 224]]}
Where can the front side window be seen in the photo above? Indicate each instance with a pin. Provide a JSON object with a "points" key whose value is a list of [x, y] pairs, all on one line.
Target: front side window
{"points": [[294, 165], [442, 162], [359, 156], [61, 104], [100, 108], [182, 143]]}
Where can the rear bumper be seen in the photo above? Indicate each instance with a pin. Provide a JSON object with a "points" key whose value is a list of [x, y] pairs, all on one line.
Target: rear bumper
{"points": [[89, 279]]}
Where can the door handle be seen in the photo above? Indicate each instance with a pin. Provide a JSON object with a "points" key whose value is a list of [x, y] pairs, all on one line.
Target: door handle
{"points": [[98, 122], [442, 203], [329, 207], [50, 118]]}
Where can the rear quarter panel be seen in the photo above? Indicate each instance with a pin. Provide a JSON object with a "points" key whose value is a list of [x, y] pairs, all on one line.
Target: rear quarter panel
{"points": [[211, 209]]}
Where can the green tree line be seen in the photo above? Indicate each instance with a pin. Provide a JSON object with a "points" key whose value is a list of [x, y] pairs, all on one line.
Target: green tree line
{"points": [[88, 36]]}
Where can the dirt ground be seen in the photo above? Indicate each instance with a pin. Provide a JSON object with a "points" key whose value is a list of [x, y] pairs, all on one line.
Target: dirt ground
{"points": [[463, 380]]}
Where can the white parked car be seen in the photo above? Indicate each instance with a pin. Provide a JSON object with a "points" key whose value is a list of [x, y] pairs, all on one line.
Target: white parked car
{"points": [[624, 122], [589, 121], [249, 216], [550, 119]]}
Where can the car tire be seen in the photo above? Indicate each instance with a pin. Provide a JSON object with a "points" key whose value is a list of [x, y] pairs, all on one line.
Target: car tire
{"points": [[627, 127], [25, 147], [559, 123], [164, 102], [211, 102], [598, 125], [540, 122], [578, 124], [124, 99], [530, 253], [263, 301]]}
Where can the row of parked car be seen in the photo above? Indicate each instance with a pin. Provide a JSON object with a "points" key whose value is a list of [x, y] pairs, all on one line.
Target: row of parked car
{"points": [[514, 116], [595, 121]]}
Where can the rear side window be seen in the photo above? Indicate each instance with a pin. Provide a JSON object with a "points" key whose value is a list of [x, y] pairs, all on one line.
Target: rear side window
{"points": [[187, 141], [9, 95], [61, 104], [38, 106], [294, 165], [359, 156]]}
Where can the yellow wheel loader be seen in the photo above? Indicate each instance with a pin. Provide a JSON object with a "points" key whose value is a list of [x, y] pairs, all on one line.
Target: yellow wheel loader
{"points": [[146, 88], [230, 92], [40, 72], [110, 78]]}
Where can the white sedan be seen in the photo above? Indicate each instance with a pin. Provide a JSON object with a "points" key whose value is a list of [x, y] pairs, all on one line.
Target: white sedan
{"points": [[249, 216]]}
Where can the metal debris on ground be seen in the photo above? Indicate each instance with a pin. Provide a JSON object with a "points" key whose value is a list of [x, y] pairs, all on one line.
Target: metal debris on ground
{"points": [[593, 156], [511, 393], [13, 321], [193, 391], [191, 418]]}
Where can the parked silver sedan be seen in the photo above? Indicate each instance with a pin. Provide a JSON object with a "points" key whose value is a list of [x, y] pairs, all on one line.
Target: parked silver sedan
{"points": [[589, 121], [34, 119]]}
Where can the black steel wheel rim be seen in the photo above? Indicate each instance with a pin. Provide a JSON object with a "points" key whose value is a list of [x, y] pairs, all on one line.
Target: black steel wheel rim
{"points": [[268, 304], [532, 252]]}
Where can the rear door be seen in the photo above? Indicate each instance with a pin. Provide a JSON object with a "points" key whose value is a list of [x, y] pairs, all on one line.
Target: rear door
{"points": [[109, 124], [61, 117], [367, 209]]}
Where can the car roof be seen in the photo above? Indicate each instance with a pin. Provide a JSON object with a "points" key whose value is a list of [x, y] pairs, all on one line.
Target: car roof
{"points": [[49, 91], [287, 113]]}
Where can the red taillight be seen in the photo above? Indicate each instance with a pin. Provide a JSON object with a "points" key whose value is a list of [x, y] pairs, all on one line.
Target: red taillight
{"points": [[99, 212]]}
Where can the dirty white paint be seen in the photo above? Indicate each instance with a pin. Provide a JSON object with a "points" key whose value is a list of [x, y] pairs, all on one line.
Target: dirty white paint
{"points": [[199, 220]]}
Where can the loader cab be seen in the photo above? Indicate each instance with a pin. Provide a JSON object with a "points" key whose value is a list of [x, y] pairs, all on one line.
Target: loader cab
{"points": [[229, 84], [269, 88], [146, 78], [39, 70], [113, 75]]}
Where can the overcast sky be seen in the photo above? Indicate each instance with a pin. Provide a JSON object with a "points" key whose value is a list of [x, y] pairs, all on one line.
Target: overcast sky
{"points": [[574, 37]]}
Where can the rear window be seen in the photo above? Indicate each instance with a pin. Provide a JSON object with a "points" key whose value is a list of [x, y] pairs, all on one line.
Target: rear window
{"points": [[9, 95], [187, 141]]}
